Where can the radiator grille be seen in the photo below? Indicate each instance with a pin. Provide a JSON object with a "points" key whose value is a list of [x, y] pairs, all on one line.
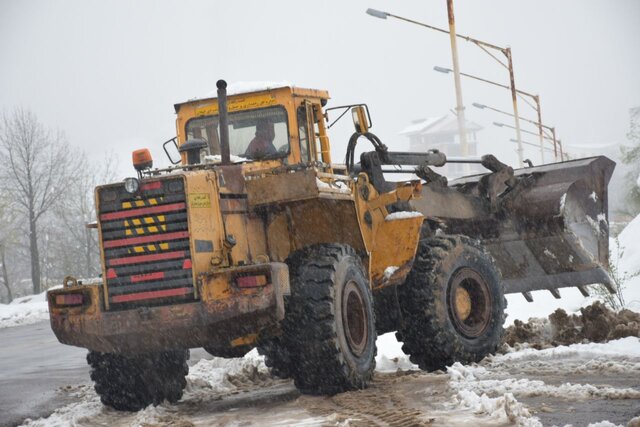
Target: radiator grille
{"points": [[145, 240]]}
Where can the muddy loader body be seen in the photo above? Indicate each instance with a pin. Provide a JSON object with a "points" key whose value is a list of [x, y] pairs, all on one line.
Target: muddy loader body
{"points": [[256, 239]]}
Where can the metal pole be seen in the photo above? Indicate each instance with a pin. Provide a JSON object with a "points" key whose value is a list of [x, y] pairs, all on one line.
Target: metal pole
{"points": [[514, 98], [456, 74], [561, 151], [555, 143], [536, 98]]}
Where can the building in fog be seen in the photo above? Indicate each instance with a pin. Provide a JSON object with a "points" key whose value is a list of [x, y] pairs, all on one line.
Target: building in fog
{"points": [[441, 133]]}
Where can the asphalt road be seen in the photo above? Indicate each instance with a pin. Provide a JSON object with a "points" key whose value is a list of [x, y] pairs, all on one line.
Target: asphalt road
{"points": [[36, 372], [33, 368], [38, 375]]}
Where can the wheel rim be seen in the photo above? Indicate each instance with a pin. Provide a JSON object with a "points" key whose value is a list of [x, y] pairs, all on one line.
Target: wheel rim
{"points": [[469, 303], [354, 315]]}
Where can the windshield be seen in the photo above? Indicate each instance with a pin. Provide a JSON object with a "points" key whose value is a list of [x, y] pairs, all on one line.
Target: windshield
{"points": [[254, 134]]}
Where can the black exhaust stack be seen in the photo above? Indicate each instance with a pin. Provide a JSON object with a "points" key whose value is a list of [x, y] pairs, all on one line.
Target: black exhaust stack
{"points": [[224, 126]]}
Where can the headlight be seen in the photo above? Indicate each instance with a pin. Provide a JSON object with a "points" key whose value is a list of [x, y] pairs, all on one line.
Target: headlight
{"points": [[131, 185]]}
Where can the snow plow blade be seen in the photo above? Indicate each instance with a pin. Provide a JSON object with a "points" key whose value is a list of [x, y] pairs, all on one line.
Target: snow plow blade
{"points": [[546, 226]]}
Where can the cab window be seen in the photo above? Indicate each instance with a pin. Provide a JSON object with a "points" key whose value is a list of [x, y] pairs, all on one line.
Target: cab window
{"points": [[303, 133], [253, 134]]}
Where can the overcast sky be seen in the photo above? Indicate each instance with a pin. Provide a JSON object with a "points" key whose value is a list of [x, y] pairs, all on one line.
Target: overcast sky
{"points": [[109, 72]]}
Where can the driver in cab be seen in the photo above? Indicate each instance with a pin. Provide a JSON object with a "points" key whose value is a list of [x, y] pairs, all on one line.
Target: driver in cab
{"points": [[261, 145]]}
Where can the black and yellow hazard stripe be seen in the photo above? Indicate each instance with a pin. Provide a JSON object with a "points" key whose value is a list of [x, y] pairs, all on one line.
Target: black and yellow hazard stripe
{"points": [[146, 225], [142, 203]]}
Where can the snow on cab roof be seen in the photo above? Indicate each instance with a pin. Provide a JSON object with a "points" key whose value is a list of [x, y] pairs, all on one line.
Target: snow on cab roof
{"points": [[237, 88]]}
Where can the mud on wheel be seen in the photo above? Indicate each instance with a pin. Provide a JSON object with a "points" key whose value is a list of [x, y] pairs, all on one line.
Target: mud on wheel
{"points": [[329, 328], [276, 356], [132, 383], [452, 304]]}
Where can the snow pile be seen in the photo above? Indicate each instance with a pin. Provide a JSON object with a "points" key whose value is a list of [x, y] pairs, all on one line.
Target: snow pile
{"points": [[485, 378], [604, 424], [627, 259], [24, 311], [220, 375], [595, 323], [504, 408], [390, 357], [87, 407], [629, 346], [491, 388]]}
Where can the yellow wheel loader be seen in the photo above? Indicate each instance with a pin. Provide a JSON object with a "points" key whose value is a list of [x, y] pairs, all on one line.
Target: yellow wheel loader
{"points": [[254, 238]]}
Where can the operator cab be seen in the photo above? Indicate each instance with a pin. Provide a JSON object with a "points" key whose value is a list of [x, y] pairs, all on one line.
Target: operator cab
{"points": [[259, 134], [269, 122]]}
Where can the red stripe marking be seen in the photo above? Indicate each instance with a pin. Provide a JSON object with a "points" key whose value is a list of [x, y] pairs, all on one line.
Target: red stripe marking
{"points": [[151, 185], [149, 276], [142, 211], [186, 264], [151, 294], [146, 239], [111, 274], [146, 258]]}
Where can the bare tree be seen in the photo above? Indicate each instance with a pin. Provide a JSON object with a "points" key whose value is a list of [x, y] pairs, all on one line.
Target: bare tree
{"points": [[80, 252], [7, 239], [37, 174]]}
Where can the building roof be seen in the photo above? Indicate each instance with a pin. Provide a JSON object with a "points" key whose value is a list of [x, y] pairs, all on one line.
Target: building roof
{"points": [[447, 124]]}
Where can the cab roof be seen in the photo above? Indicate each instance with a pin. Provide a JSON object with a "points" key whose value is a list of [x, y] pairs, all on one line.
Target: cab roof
{"points": [[240, 88]]}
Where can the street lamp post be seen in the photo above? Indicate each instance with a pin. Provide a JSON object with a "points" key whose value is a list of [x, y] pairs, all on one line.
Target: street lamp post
{"points": [[514, 99], [454, 53], [482, 45], [456, 77], [536, 99], [541, 133]]}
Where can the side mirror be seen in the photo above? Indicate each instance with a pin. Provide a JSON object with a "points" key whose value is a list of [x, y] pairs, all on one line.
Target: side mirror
{"points": [[360, 119]]}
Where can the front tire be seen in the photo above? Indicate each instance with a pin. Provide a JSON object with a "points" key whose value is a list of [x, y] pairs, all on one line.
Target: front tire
{"points": [[452, 304], [131, 383], [329, 328]]}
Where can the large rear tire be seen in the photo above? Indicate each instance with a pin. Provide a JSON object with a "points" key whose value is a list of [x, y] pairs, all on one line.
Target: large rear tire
{"points": [[329, 328], [452, 304], [131, 383]]}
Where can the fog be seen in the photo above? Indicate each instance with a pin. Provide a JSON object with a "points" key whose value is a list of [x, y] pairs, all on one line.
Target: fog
{"points": [[108, 73]]}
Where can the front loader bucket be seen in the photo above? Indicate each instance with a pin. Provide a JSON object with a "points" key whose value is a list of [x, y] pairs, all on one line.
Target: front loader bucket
{"points": [[547, 229]]}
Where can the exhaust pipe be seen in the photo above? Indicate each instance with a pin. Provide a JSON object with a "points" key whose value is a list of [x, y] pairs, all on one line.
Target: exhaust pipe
{"points": [[225, 154]]}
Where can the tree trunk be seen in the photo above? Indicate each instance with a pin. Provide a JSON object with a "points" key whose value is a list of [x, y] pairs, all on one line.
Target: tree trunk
{"points": [[35, 255], [5, 274]]}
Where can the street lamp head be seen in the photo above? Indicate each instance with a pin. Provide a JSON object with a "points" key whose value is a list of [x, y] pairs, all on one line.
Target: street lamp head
{"points": [[442, 69], [498, 124], [480, 106], [377, 13]]}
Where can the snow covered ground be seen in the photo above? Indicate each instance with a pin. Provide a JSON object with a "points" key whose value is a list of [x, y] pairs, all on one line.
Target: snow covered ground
{"points": [[24, 311], [502, 390]]}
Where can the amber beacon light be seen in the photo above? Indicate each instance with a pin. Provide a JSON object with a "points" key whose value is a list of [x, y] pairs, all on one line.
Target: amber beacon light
{"points": [[142, 159]]}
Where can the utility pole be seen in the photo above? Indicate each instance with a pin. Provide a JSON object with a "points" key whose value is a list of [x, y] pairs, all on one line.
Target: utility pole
{"points": [[456, 77], [514, 98]]}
